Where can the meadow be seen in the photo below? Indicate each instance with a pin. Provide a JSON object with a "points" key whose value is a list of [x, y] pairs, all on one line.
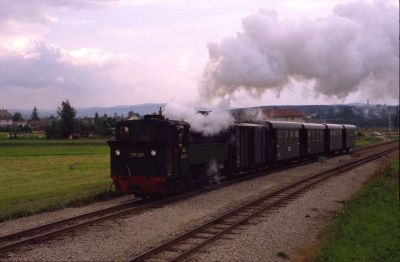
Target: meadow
{"points": [[41, 175]]}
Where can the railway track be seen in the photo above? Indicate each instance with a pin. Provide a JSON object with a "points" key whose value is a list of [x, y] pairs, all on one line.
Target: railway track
{"points": [[47, 231], [367, 148], [40, 233], [184, 245]]}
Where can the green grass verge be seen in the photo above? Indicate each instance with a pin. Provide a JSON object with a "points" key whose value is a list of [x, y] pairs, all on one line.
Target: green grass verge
{"points": [[367, 229], [362, 141], [42, 175]]}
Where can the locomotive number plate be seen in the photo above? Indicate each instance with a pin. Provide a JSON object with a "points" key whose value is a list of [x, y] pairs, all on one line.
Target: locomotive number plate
{"points": [[136, 154]]}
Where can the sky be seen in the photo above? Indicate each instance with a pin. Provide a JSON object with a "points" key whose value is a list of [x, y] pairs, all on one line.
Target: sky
{"points": [[107, 53]]}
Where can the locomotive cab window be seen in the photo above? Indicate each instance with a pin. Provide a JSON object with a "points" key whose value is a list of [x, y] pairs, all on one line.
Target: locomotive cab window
{"points": [[124, 131]]}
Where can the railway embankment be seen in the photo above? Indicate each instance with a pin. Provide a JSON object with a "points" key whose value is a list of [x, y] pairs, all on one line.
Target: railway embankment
{"points": [[294, 230], [367, 228]]}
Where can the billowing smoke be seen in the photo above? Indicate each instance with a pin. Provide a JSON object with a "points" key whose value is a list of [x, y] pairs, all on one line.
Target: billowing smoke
{"points": [[213, 172], [354, 48], [249, 115], [213, 123]]}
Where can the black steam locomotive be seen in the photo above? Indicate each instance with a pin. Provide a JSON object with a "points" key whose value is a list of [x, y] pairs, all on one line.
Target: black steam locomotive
{"points": [[157, 156]]}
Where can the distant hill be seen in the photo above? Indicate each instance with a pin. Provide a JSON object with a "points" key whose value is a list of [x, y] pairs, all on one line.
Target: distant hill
{"points": [[142, 109], [91, 111]]}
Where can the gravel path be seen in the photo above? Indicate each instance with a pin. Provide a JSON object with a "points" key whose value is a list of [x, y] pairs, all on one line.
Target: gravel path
{"points": [[120, 238]]}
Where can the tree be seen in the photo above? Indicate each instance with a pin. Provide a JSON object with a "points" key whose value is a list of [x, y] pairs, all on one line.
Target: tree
{"points": [[67, 116], [35, 114], [52, 129], [96, 118], [17, 117]]}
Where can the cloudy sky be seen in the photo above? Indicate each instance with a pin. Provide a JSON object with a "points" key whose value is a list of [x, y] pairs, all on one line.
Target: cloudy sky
{"points": [[106, 53]]}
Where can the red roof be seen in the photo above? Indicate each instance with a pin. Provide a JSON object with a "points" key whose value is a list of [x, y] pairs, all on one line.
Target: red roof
{"points": [[282, 112]]}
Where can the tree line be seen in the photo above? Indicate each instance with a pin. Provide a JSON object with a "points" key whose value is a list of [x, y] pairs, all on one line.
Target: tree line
{"points": [[65, 124]]}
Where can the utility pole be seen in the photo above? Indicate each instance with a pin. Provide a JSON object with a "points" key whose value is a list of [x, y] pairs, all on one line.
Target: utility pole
{"points": [[389, 124]]}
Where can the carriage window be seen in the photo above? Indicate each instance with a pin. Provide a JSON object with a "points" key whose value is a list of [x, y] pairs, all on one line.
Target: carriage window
{"points": [[281, 136], [296, 133], [124, 131]]}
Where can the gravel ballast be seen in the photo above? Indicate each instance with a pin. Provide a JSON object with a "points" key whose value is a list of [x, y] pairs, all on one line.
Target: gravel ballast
{"points": [[121, 238]]}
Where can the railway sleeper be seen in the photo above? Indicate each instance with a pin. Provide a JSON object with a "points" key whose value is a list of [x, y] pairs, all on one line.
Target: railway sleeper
{"points": [[220, 226], [155, 259], [213, 231], [194, 240], [202, 236]]}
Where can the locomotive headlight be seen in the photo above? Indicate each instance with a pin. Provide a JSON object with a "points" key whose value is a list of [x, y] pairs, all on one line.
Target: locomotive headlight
{"points": [[117, 152], [153, 152]]}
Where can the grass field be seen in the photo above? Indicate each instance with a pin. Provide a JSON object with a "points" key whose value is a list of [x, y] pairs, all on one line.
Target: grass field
{"points": [[368, 228], [39, 175], [367, 140]]}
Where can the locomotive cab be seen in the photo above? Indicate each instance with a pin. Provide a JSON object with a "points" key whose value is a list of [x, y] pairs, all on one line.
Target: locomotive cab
{"points": [[148, 154]]}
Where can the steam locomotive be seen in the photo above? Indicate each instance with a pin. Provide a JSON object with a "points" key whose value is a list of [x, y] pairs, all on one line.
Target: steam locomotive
{"points": [[155, 156]]}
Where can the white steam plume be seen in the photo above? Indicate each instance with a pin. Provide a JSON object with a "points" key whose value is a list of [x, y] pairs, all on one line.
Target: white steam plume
{"points": [[354, 48], [213, 172], [211, 124]]}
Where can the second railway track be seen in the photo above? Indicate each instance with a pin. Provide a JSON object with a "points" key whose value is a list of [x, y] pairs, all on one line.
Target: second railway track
{"points": [[186, 244]]}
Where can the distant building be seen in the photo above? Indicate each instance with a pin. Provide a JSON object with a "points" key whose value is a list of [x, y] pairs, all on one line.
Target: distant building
{"points": [[5, 118], [39, 125], [20, 123], [262, 113], [283, 114]]}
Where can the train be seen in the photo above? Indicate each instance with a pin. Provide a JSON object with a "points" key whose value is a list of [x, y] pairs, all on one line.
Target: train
{"points": [[156, 157]]}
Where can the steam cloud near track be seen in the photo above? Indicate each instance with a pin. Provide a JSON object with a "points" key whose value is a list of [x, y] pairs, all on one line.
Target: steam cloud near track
{"points": [[354, 48], [213, 123]]}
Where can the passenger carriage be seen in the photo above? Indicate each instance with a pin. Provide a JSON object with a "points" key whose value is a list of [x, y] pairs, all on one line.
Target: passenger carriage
{"points": [[312, 137], [285, 140], [248, 147], [335, 138], [349, 136]]}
